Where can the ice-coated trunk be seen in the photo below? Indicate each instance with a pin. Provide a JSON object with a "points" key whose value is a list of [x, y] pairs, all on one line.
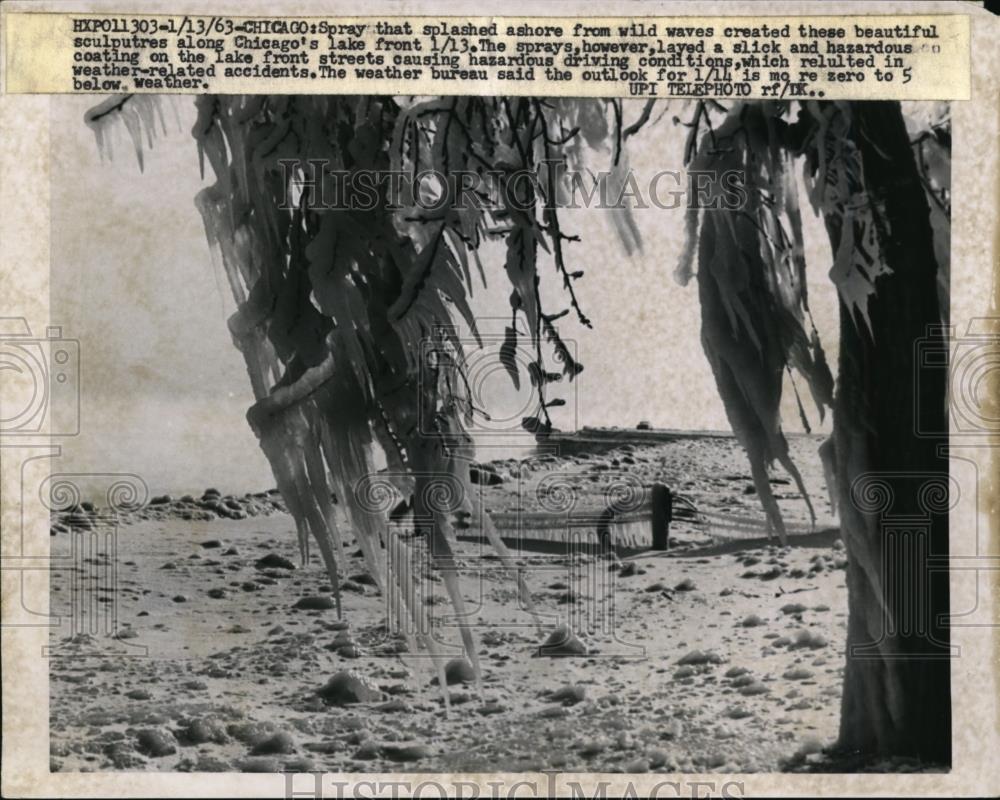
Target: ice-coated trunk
{"points": [[897, 684]]}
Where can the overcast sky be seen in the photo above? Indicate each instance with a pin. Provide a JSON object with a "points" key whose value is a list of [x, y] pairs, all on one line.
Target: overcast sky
{"points": [[165, 391]]}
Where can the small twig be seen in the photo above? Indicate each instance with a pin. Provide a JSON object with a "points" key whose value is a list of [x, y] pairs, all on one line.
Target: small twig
{"points": [[636, 126]]}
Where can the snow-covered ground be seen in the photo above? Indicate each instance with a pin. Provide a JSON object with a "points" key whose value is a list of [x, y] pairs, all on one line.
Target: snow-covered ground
{"points": [[718, 655]]}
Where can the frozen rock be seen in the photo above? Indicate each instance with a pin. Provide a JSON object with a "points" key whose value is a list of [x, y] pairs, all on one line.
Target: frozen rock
{"points": [[349, 687], [569, 695], [458, 670], [202, 731], [797, 674], [258, 765], [273, 561], [813, 640], [368, 751], [591, 747], [155, 743], [320, 602], [562, 642], [280, 743], [405, 752], [698, 657]]}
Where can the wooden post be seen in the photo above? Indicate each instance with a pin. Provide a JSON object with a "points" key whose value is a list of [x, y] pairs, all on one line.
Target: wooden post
{"points": [[662, 502]]}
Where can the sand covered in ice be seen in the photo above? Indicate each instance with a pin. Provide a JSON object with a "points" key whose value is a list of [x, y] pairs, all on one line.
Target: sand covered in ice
{"points": [[719, 655]]}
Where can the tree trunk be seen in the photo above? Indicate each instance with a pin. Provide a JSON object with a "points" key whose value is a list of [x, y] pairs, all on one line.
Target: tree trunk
{"points": [[892, 477]]}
